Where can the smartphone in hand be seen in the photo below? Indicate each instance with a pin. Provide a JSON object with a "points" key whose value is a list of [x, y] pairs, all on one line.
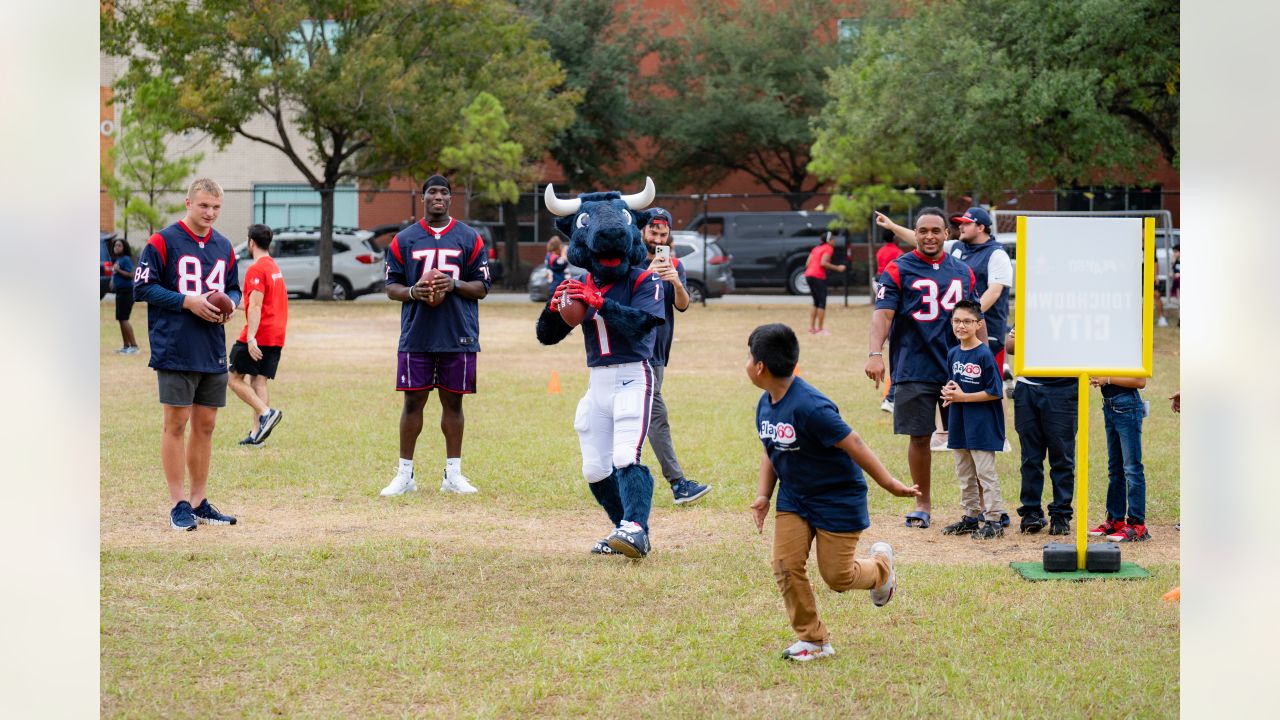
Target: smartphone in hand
{"points": [[662, 252]]}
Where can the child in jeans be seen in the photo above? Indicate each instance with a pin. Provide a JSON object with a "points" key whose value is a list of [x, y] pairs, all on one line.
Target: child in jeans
{"points": [[1122, 413], [817, 461], [974, 399]]}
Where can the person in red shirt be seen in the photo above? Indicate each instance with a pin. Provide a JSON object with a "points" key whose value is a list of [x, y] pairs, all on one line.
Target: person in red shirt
{"points": [[884, 256], [256, 354], [815, 272]]}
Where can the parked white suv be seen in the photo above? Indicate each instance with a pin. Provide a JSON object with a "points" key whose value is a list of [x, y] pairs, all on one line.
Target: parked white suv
{"points": [[357, 262]]}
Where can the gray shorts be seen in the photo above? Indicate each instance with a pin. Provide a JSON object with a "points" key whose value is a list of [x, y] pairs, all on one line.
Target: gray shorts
{"points": [[182, 389], [913, 408]]}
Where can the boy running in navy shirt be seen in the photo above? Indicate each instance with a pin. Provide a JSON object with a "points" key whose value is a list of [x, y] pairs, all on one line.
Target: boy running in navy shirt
{"points": [[818, 462], [975, 420], [177, 270]]}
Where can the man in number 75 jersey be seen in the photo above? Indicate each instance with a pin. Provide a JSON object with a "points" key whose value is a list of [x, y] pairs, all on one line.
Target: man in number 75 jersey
{"points": [[178, 269], [438, 269]]}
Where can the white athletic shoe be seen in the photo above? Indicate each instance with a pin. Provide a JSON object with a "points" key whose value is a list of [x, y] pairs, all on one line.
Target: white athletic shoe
{"points": [[882, 595], [1162, 321], [805, 651], [399, 485], [457, 484], [887, 405]]}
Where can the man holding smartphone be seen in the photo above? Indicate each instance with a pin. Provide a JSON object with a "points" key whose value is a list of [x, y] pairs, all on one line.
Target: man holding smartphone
{"points": [[655, 228]]}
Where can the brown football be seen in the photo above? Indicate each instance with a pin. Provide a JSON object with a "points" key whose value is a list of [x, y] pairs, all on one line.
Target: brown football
{"points": [[572, 311], [222, 301], [432, 299]]}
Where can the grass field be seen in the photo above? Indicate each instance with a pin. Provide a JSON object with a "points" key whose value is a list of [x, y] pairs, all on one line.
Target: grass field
{"points": [[329, 601]]}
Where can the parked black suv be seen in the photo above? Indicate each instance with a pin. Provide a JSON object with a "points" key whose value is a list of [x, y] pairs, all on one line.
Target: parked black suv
{"points": [[769, 249]]}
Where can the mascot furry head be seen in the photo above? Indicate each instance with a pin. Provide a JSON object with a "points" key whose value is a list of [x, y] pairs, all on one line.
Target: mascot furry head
{"points": [[603, 230]]}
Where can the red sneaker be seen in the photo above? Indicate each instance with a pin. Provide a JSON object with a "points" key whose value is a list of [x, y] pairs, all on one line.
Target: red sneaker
{"points": [[1131, 533], [1108, 528]]}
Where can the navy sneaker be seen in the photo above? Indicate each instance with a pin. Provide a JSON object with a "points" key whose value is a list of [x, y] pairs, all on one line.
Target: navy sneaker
{"points": [[248, 440], [988, 531], [602, 548], [206, 513], [1004, 519], [686, 491], [629, 539], [964, 526], [267, 422], [1033, 524], [180, 517], [1059, 525]]}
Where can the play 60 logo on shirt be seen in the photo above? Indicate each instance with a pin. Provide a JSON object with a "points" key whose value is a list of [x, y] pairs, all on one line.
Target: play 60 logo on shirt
{"points": [[972, 371], [783, 434]]}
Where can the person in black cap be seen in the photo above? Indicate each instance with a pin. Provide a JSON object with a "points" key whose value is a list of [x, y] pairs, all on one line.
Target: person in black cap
{"points": [[655, 230]]}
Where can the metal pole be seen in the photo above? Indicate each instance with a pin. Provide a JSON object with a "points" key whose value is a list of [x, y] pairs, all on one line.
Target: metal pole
{"points": [[706, 281]]}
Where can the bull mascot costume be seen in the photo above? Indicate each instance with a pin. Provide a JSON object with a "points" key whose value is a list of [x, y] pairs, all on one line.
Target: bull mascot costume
{"points": [[623, 305]]}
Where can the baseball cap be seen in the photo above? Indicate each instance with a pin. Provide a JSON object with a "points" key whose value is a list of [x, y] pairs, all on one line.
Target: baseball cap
{"points": [[974, 215], [658, 215]]}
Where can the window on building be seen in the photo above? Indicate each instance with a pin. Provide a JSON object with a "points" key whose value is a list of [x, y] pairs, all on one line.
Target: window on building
{"points": [[297, 205]]}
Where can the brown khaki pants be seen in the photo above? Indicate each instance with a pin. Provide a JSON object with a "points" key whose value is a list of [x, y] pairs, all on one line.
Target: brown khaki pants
{"points": [[792, 539], [979, 486]]}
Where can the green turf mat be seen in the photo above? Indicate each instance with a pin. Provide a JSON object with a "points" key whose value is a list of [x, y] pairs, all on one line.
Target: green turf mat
{"points": [[1035, 571]]}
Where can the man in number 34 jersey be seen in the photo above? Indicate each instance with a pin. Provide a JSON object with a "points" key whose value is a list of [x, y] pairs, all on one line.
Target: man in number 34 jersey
{"points": [[178, 268], [915, 298]]}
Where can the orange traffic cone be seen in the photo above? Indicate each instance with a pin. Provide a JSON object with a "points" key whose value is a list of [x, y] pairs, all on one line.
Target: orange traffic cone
{"points": [[885, 396], [553, 387], [1174, 595]]}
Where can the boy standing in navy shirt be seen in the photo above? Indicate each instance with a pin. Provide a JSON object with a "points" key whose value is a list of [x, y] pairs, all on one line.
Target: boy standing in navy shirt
{"points": [[818, 461], [975, 420], [177, 270]]}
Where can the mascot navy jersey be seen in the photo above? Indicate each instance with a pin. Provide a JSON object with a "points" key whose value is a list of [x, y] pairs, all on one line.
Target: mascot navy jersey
{"points": [[816, 480], [922, 295], [174, 263], [458, 251], [641, 290]]}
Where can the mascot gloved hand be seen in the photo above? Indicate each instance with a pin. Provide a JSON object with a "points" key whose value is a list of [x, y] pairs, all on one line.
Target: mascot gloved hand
{"points": [[625, 306]]}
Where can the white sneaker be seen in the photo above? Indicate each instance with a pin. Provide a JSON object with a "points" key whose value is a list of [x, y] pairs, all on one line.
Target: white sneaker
{"points": [[882, 595], [805, 651], [399, 485], [887, 405], [938, 441], [457, 484], [1162, 322]]}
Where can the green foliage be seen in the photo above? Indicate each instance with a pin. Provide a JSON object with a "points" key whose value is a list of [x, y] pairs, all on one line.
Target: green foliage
{"points": [[989, 95], [486, 160], [599, 49], [372, 91], [142, 168], [736, 89]]}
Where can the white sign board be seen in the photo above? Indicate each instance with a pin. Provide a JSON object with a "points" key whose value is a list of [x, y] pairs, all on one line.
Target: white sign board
{"points": [[1082, 293]]}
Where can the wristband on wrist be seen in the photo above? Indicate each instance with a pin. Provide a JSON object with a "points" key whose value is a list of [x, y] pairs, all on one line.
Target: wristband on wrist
{"points": [[411, 295], [875, 354]]}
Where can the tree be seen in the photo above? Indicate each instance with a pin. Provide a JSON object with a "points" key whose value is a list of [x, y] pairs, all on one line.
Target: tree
{"points": [[141, 168], [484, 159], [363, 90], [736, 91], [986, 96], [600, 50]]}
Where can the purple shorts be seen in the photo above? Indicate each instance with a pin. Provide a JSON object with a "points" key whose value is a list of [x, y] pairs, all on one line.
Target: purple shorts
{"points": [[455, 372]]}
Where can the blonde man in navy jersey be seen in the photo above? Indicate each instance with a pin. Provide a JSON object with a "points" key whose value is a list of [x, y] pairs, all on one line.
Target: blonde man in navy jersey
{"points": [[438, 342], [178, 269]]}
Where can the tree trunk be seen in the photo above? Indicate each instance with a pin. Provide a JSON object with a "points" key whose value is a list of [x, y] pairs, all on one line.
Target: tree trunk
{"points": [[324, 286], [511, 249]]}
